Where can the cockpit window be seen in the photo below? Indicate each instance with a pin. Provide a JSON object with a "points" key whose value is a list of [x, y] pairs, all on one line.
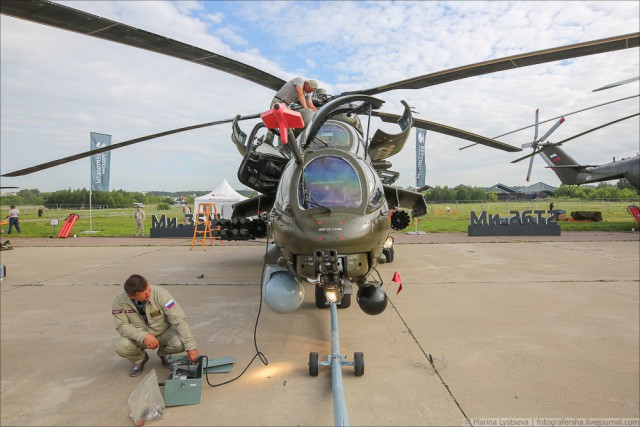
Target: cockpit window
{"points": [[282, 195], [374, 186], [329, 182], [334, 135]]}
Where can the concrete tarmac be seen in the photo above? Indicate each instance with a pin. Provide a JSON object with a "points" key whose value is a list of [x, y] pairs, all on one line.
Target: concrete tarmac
{"points": [[485, 331]]}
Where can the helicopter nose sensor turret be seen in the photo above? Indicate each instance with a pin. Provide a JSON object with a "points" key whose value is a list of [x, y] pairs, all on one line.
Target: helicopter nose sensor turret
{"points": [[372, 299]]}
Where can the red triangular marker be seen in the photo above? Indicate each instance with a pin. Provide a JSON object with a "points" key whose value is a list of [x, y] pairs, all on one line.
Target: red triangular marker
{"points": [[280, 117], [398, 280]]}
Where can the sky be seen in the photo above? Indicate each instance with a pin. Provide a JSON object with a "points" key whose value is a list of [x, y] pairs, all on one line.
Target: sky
{"points": [[58, 86]]}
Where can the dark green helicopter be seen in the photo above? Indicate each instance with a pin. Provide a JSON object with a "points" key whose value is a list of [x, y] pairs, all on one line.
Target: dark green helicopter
{"points": [[326, 187], [330, 208]]}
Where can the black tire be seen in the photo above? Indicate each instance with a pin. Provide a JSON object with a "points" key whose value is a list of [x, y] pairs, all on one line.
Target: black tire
{"points": [[313, 364], [346, 301], [358, 363], [321, 300], [388, 254]]}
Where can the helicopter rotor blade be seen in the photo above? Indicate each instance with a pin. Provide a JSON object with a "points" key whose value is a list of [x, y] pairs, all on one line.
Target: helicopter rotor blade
{"points": [[530, 168], [448, 130], [535, 135], [533, 144], [519, 159], [66, 18], [550, 131], [68, 159], [623, 82], [63, 17], [596, 128], [516, 61]]}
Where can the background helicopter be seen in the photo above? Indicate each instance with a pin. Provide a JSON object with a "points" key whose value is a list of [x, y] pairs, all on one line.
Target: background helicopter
{"points": [[333, 260], [569, 171]]}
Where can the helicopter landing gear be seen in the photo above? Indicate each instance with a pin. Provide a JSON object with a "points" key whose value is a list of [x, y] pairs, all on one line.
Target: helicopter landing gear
{"points": [[336, 361]]}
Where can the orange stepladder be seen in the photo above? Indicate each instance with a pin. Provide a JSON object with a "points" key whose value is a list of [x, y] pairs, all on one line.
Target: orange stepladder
{"points": [[204, 218]]}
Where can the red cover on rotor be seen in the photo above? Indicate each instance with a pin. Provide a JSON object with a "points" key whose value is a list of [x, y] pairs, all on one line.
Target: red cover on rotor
{"points": [[280, 117]]}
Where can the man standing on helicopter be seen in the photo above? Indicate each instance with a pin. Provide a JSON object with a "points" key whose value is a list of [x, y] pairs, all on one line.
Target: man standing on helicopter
{"points": [[296, 90]]}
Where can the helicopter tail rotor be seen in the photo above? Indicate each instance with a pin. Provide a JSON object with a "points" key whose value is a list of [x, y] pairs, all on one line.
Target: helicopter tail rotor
{"points": [[536, 142]]}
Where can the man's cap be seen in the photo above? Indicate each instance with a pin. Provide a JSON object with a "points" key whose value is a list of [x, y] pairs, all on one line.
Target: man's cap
{"points": [[312, 84]]}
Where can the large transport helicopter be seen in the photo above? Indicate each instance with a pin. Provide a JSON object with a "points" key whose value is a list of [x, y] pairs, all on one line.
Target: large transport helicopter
{"points": [[327, 194], [569, 171]]}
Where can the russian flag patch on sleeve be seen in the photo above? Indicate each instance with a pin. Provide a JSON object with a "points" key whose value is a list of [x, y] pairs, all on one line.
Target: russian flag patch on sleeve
{"points": [[170, 305]]}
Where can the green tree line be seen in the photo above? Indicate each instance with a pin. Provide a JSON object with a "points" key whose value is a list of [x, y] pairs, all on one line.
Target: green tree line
{"points": [[121, 198], [113, 198], [621, 190]]}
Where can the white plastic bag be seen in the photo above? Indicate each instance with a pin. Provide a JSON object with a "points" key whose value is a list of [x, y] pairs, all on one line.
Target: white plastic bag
{"points": [[146, 401]]}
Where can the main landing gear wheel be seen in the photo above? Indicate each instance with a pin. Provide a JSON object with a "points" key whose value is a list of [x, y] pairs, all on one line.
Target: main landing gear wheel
{"points": [[346, 301], [313, 364], [358, 363], [388, 254]]}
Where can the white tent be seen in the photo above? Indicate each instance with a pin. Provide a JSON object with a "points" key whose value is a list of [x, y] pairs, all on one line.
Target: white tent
{"points": [[223, 196]]}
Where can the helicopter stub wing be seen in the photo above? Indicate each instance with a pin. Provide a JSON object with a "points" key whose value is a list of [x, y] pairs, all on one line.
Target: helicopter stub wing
{"points": [[253, 206], [407, 199], [66, 18]]}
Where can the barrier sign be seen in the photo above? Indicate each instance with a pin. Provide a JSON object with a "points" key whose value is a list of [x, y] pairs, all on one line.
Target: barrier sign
{"points": [[525, 223]]}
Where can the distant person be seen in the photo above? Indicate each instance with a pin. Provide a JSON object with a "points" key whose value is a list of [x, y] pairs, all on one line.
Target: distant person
{"points": [[139, 216], [551, 206], [185, 214], [40, 211], [147, 317], [296, 90], [14, 215]]}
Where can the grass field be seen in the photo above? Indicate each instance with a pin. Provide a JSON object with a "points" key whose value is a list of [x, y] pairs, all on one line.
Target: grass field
{"points": [[120, 222]]}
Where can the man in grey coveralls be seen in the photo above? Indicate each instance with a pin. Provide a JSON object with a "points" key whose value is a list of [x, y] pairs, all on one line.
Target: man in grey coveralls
{"points": [[147, 317], [297, 90]]}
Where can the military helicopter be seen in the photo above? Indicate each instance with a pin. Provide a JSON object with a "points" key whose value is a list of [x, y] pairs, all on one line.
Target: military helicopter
{"points": [[569, 171], [326, 186]]}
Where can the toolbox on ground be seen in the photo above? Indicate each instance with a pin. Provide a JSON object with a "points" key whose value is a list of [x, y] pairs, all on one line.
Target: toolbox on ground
{"points": [[184, 385]]}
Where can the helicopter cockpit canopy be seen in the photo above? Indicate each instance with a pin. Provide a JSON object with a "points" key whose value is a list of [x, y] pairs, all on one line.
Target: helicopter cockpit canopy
{"points": [[342, 109], [336, 134], [329, 181]]}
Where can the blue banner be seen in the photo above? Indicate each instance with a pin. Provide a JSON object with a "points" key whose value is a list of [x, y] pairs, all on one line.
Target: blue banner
{"points": [[100, 162], [421, 170]]}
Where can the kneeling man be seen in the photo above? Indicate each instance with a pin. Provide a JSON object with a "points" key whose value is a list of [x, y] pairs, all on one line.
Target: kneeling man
{"points": [[147, 317]]}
